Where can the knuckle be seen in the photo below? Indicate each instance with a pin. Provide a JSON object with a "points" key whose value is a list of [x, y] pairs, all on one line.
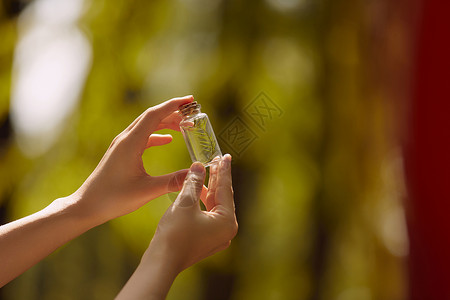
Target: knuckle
{"points": [[194, 180], [149, 112], [232, 229], [118, 140], [153, 113]]}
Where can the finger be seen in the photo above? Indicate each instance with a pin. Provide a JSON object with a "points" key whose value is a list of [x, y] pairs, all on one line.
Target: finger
{"points": [[134, 123], [224, 189], [203, 194], [173, 182], [192, 187], [210, 201], [152, 117], [172, 121], [158, 140]]}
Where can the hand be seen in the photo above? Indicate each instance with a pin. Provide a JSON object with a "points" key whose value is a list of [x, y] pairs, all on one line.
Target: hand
{"points": [[186, 234], [120, 184], [117, 186], [189, 234]]}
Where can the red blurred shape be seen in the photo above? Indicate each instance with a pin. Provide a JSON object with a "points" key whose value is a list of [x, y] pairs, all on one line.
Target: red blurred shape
{"points": [[428, 157]]}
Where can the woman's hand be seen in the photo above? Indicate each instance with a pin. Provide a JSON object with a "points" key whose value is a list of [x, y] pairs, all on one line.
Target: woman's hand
{"points": [[186, 234], [189, 234], [117, 186], [120, 184]]}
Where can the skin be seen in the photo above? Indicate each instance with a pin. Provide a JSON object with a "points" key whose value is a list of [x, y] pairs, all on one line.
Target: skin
{"points": [[186, 234], [118, 185]]}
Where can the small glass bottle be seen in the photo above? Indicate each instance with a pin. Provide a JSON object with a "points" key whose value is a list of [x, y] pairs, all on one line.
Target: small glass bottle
{"points": [[198, 134]]}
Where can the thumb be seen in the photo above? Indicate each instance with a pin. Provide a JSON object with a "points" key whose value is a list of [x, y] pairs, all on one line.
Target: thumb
{"points": [[192, 187]]}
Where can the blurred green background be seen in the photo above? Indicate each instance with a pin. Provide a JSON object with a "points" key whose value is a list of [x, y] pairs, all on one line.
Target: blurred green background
{"points": [[306, 95]]}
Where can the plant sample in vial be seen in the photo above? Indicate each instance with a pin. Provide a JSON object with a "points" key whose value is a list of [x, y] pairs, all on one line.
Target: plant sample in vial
{"points": [[198, 134]]}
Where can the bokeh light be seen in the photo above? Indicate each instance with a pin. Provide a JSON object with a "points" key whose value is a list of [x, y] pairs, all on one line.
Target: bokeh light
{"points": [[321, 88]]}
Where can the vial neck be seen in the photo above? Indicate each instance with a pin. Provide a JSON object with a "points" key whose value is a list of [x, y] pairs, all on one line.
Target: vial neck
{"points": [[189, 109]]}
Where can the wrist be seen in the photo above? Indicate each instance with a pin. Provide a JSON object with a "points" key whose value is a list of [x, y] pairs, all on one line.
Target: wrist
{"points": [[161, 255], [73, 208], [153, 277]]}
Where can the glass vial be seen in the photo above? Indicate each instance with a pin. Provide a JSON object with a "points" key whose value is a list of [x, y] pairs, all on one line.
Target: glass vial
{"points": [[198, 134]]}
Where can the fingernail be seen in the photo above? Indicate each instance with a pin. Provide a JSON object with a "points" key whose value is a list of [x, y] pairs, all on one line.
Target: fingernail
{"points": [[216, 161], [197, 168], [226, 161]]}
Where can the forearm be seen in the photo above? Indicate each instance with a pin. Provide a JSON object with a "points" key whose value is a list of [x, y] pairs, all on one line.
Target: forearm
{"points": [[26, 241], [153, 277]]}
